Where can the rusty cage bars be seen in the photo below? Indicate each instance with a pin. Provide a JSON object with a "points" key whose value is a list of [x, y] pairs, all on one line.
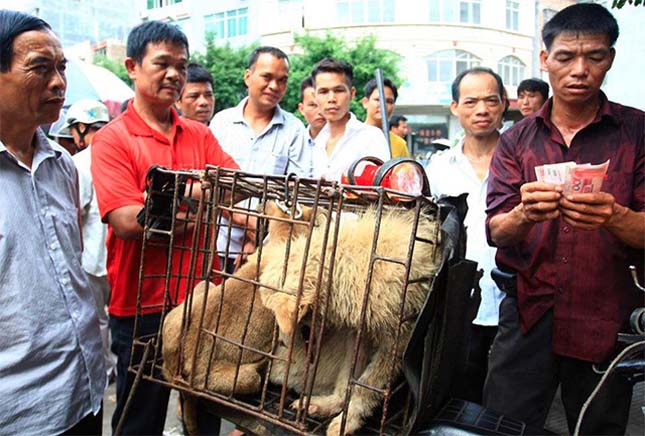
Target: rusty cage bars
{"points": [[182, 247]]}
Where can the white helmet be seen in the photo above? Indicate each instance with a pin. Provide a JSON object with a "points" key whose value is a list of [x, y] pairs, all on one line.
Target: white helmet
{"points": [[86, 112]]}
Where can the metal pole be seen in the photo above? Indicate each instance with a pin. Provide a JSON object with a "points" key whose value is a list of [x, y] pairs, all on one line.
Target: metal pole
{"points": [[385, 123]]}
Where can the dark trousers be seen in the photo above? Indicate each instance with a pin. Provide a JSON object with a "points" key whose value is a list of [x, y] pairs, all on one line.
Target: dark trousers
{"points": [[90, 425], [146, 414], [524, 375], [471, 384], [227, 264]]}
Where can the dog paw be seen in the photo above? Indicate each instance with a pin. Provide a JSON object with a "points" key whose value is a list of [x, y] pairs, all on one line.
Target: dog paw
{"points": [[351, 426], [313, 410]]}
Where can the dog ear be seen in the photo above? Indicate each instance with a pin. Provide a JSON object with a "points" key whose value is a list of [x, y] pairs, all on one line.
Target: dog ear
{"points": [[284, 308]]}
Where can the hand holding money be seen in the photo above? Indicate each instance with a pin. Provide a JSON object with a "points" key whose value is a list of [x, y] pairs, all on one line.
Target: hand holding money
{"points": [[540, 201]]}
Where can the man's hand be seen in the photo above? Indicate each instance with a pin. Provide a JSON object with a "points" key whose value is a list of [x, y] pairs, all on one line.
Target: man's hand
{"points": [[587, 211], [540, 201]]}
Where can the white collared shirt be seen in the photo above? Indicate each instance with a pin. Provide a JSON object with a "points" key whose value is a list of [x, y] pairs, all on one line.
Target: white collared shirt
{"points": [[359, 140], [450, 173]]}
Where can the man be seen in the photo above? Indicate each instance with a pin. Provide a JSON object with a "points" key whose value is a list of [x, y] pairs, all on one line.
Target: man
{"points": [[148, 133], [531, 95], [197, 101], [309, 109], [399, 126], [344, 139], [570, 250], [477, 101], [83, 119], [51, 365], [261, 136], [371, 103]]}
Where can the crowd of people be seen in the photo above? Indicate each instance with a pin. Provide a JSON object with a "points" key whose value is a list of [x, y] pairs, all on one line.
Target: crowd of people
{"points": [[70, 241]]}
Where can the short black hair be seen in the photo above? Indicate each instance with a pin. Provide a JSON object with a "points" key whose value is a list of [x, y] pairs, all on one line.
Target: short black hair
{"points": [[273, 51], [153, 32], [196, 73], [12, 24], [475, 70], [307, 82], [371, 86], [582, 18], [534, 85], [396, 120], [330, 65]]}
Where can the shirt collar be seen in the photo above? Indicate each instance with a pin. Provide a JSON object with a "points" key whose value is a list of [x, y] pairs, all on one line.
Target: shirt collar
{"points": [[605, 112], [137, 126], [238, 114], [352, 124]]}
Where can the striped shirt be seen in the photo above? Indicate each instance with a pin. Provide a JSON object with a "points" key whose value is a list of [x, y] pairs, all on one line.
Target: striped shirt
{"points": [[51, 363]]}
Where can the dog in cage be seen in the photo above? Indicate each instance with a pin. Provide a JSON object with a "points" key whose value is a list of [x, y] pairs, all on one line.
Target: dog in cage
{"points": [[390, 307], [218, 365]]}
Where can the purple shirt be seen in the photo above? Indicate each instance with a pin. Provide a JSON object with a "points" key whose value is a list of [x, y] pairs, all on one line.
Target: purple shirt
{"points": [[582, 275]]}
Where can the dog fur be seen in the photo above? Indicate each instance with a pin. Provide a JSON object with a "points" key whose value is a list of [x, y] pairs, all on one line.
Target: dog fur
{"points": [[233, 298], [343, 305]]}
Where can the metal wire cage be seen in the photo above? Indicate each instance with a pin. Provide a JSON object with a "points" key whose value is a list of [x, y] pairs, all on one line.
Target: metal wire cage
{"points": [[307, 336]]}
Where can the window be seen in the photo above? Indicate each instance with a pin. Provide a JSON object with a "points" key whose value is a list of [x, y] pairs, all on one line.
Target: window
{"points": [[228, 24], [512, 70], [512, 15], [455, 11], [443, 66], [469, 11], [152, 4], [365, 11]]}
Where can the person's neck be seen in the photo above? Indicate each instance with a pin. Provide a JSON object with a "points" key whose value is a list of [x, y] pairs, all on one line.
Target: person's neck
{"points": [[158, 118], [313, 131], [480, 146], [372, 122], [572, 118], [337, 128], [257, 117], [19, 140]]}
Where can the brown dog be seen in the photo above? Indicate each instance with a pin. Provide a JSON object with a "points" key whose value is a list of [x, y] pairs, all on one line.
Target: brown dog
{"points": [[225, 308], [343, 305]]}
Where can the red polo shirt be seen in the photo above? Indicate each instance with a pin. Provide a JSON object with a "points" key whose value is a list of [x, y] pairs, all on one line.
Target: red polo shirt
{"points": [[581, 275], [122, 152]]}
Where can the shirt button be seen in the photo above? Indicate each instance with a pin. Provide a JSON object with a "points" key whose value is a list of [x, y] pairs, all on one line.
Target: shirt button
{"points": [[560, 290], [52, 246], [566, 229], [564, 259]]}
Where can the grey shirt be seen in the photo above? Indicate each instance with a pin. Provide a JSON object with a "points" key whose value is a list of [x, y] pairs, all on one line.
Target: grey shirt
{"points": [[281, 148], [51, 364]]}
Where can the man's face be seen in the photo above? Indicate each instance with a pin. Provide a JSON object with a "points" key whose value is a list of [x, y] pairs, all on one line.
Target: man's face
{"points": [[267, 81], [333, 95], [480, 106], [402, 129], [161, 76], [373, 107], [529, 102], [577, 64], [309, 109], [197, 101], [34, 87]]}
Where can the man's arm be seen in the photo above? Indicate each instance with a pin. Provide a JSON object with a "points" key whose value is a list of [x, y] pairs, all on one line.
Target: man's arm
{"points": [[123, 221], [592, 211], [539, 203]]}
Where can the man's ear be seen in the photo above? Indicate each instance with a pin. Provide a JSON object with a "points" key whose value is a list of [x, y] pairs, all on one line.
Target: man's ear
{"points": [[453, 108], [364, 101], [612, 53], [247, 74], [129, 67], [353, 92], [543, 56], [301, 108]]}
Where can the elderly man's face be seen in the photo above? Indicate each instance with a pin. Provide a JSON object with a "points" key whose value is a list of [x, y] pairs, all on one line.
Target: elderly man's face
{"points": [[34, 87]]}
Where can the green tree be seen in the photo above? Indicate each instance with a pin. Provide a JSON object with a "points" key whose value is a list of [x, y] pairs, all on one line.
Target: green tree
{"points": [[364, 56], [620, 3], [118, 68], [227, 64]]}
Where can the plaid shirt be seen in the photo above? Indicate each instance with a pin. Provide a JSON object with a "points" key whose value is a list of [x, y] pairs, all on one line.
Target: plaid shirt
{"points": [[581, 275]]}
